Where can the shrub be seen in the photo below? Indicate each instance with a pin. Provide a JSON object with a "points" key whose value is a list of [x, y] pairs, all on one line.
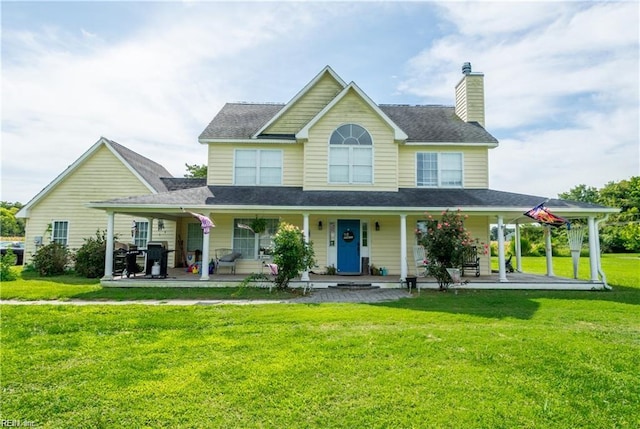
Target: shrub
{"points": [[90, 257], [525, 246], [51, 260], [445, 242], [291, 254], [7, 262]]}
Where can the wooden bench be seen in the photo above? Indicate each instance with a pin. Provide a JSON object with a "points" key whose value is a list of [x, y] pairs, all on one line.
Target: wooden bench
{"points": [[471, 260]]}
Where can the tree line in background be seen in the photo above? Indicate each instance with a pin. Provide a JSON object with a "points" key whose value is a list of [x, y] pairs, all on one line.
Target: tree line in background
{"points": [[619, 234], [10, 226]]}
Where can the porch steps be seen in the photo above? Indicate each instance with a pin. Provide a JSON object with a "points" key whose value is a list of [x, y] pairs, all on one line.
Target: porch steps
{"points": [[353, 286]]}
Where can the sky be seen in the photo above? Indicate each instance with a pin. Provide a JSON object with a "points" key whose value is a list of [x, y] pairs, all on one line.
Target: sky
{"points": [[561, 78]]}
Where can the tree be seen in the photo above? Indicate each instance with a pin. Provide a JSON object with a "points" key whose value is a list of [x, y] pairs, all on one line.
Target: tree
{"points": [[620, 233], [584, 193], [196, 171], [10, 226], [291, 253]]}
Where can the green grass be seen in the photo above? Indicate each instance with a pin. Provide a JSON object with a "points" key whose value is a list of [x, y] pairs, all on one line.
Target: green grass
{"points": [[620, 269], [478, 359], [69, 287], [487, 359]]}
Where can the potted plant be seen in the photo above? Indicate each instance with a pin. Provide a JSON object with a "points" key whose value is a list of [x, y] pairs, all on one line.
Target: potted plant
{"points": [[258, 225]]}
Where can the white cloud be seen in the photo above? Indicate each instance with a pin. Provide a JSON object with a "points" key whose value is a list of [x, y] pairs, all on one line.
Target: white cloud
{"points": [[561, 88], [154, 92]]}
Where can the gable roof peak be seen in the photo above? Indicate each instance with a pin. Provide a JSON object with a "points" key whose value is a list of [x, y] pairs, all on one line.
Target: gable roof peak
{"points": [[327, 70], [398, 133]]}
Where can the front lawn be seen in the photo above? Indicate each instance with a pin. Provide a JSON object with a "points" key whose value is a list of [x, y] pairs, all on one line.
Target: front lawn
{"points": [[480, 359], [66, 287]]}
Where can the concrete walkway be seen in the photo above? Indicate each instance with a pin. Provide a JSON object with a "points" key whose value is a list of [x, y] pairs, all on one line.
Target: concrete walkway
{"points": [[315, 297]]}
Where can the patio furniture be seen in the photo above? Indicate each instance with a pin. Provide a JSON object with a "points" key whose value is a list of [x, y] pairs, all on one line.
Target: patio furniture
{"points": [[470, 259], [226, 258], [419, 258]]}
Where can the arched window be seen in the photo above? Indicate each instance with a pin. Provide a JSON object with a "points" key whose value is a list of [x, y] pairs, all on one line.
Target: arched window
{"points": [[350, 155]]}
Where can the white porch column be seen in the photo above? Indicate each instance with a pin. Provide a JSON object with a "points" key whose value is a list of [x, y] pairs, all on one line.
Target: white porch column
{"points": [[403, 247], [204, 267], [594, 255], [518, 249], [501, 259], [305, 231], [150, 232], [108, 257], [547, 250]]}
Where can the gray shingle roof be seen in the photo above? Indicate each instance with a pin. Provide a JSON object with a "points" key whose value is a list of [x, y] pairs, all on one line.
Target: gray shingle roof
{"points": [[239, 120], [437, 124], [284, 196], [177, 183], [150, 170]]}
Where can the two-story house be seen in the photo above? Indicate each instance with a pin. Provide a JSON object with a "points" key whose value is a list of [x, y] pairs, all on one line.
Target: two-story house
{"points": [[357, 177]]}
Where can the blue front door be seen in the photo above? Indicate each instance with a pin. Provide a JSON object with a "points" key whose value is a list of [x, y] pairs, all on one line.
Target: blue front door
{"points": [[348, 246]]}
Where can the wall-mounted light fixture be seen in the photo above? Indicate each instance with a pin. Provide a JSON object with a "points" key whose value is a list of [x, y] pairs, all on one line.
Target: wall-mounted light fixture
{"points": [[377, 226], [320, 225]]}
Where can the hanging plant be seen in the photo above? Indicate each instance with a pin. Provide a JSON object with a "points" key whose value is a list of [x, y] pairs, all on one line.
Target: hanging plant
{"points": [[258, 225]]}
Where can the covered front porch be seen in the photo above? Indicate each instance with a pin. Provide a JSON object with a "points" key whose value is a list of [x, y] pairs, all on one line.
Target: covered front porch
{"points": [[179, 278]]}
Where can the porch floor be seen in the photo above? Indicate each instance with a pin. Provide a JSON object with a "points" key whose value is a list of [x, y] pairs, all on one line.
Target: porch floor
{"points": [[178, 277]]}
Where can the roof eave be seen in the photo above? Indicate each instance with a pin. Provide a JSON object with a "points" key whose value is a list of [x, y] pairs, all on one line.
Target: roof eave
{"points": [[246, 141]]}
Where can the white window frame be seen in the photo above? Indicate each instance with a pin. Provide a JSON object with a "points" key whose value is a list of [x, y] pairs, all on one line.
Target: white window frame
{"points": [[440, 170], [352, 161], [139, 239], [255, 242], [57, 238], [258, 165]]}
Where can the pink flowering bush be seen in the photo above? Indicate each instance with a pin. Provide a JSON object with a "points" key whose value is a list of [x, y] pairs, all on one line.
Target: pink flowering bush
{"points": [[445, 241]]}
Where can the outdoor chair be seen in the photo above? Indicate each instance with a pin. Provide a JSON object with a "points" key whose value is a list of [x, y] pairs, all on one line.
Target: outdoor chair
{"points": [[470, 259], [419, 258], [226, 258]]}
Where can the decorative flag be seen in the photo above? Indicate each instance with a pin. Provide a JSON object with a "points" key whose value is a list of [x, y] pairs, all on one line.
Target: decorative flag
{"points": [[542, 215], [205, 222]]}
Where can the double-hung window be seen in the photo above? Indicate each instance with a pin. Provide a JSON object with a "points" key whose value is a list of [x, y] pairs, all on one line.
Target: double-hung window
{"points": [[439, 169], [255, 167], [350, 155], [60, 232], [251, 244], [141, 235]]}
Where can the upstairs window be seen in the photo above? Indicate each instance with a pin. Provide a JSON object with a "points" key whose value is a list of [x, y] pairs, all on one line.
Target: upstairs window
{"points": [[258, 167], [350, 155], [439, 169]]}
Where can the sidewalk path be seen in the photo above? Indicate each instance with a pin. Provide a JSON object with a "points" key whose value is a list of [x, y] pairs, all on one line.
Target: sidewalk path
{"points": [[316, 296]]}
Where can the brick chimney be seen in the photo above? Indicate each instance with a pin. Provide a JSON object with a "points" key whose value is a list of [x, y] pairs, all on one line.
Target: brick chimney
{"points": [[470, 96]]}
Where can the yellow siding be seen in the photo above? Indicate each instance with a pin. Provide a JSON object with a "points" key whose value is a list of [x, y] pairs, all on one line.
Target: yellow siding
{"points": [[101, 177], [304, 109], [470, 99], [221, 161], [221, 237], [475, 164], [351, 109]]}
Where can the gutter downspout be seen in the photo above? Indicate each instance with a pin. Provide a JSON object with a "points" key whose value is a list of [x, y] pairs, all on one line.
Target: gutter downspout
{"points": [[602, 274]]}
